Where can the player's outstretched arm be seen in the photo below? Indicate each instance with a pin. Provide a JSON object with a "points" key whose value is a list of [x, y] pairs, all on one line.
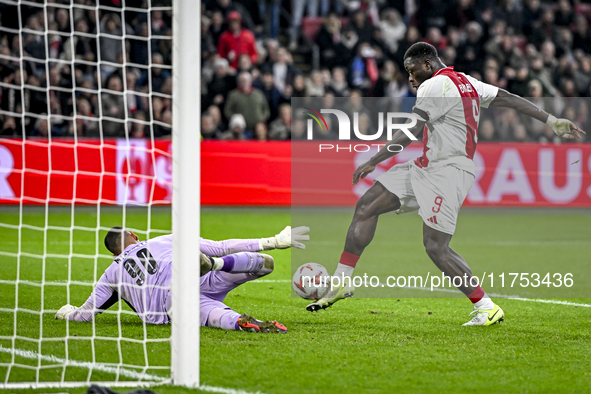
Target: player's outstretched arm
{"points": [[399, 138], [562, 127], [103, 295], [287, 238]]}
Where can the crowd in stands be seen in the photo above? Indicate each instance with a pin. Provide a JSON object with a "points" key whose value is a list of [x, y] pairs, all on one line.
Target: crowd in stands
{"points": [[533, 48]]}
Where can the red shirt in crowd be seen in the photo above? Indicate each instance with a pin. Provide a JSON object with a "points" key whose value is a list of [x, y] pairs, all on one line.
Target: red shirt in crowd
{"points": [[241, 43]]}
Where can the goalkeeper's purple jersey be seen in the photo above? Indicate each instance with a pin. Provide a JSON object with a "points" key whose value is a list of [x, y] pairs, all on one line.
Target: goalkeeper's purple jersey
{"points": [[141, 276]]}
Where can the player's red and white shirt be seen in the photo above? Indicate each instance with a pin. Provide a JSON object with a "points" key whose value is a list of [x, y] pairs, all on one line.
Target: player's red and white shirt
{"points": [[450, 103]]}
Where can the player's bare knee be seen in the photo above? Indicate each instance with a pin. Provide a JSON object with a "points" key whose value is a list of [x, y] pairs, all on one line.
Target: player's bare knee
{"points": [[362, 206]]}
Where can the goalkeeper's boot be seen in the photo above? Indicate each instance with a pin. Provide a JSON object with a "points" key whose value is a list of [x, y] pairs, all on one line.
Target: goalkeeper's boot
{"points": [[206, 263], [250, 324], [331, 296], [486, 317]]}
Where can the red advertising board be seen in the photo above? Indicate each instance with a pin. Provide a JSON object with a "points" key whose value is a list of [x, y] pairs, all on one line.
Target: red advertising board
{"points": [[507, 174], [272, 173]]}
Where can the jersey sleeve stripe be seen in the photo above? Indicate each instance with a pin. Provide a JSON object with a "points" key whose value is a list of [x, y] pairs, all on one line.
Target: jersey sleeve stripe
{"points": [[421, 113]]}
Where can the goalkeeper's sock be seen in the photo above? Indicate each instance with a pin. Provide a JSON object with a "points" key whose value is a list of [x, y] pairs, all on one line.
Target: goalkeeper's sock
{"points": [[480, 299], [226, 319], [346, 265], [241, 262]]}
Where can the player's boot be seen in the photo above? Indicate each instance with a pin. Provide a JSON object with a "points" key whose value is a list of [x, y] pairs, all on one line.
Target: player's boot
{"points": [[331, 296], [250, 324], [269, 264], [206, 263], [486, 317]]}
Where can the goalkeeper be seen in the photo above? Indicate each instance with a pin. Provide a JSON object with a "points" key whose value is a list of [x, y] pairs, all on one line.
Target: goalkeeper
{"points": [[141, 273]]}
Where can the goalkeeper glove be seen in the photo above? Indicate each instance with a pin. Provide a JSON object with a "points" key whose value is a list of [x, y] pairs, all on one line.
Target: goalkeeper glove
{"points": [[287, 238], [64, 312], [562, 127]]}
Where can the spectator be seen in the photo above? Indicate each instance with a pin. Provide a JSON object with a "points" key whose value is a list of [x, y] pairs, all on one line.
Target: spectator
{"points": [[208, 129], [237, 128], [532, 12], [247, 101], [280, 128], [412, 35], [298, 88], [364, 69], [86, 125], [393, 28], [41, 128], [111, 46], [329, 41], [392, 83], [564, 16], [283, 71], [84, 46], [314, 85], [544, 29], [338, 84], [138, 128], [504, 50], [362, 27], [226, 7], [236, 41], [535, 94], [164, 129], [271, 93], [260, 131], [542, 74], [435, 38], [486, 131], [217, 26], [216, 117], [113, 108], [519, 83], [471, 53], [582, 36], [158, 72], [139, 48], [511, 12], [221, 85], [463, 12]]}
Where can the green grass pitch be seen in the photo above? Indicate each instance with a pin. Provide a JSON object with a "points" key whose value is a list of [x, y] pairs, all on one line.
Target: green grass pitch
{"points": [[364, 345]]}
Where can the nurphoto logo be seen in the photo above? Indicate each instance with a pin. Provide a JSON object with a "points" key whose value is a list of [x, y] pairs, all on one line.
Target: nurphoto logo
{"points": [[391, 120]]}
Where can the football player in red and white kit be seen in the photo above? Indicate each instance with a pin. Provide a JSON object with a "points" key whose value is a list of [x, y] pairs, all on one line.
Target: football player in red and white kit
{"points": [[436, 184]]}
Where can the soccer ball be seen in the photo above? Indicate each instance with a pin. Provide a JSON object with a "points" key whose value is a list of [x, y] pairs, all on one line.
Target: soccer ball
{"points": [[310, 281]]}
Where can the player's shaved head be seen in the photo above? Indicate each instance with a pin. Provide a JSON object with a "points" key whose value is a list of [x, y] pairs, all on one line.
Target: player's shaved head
{"points": [[118, 236], [421, 61], [420, 52]]}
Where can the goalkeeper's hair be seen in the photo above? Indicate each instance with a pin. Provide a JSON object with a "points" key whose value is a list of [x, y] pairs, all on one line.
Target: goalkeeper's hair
{"points": [[421, 51], [113, 239]]}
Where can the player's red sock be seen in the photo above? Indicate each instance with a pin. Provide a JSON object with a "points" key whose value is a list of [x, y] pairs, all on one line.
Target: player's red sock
{"points": [[349, 259], [480, 299], [347, 264], [476, 295]]}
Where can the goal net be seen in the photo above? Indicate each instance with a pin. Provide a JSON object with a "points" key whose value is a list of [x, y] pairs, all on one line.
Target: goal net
{"points": [[86, 111]]}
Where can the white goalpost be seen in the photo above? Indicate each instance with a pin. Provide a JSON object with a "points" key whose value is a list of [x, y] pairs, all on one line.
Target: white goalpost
{"points": [[84, 156], [186, 191]]}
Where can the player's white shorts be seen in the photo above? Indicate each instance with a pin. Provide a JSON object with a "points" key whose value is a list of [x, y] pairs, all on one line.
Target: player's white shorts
{"points": [[438, 193]]}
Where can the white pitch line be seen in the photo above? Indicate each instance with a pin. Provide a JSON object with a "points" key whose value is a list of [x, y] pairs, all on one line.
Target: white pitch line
{"points": [[29, 354], [128, 373]]}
